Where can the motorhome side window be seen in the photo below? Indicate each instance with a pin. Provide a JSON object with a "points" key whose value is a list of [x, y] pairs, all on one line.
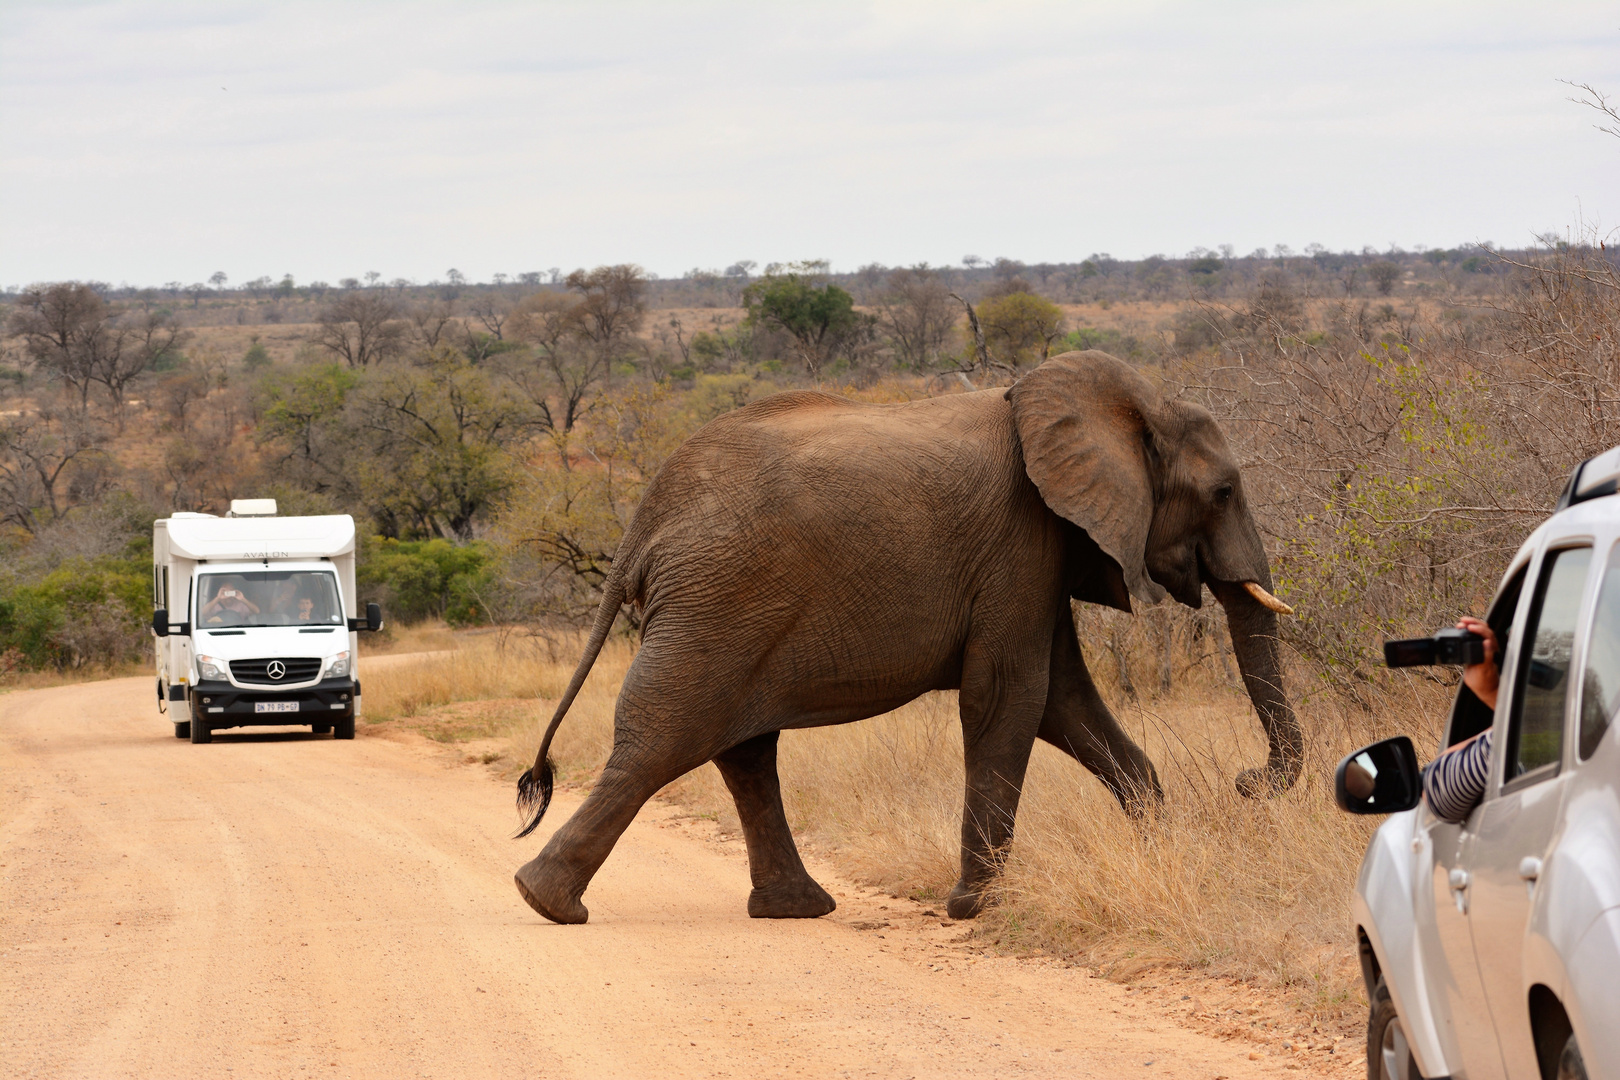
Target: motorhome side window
{"points": [[1536, 728], [1600, 686], [268, 598]]}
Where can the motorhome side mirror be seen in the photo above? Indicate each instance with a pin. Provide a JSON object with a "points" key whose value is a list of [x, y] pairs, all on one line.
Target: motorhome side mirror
{"points": [[1379, 779], [373, 617], [160, 622]]}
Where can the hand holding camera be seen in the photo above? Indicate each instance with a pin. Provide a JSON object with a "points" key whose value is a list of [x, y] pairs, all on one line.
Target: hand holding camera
{"points": [[1471, 643]]}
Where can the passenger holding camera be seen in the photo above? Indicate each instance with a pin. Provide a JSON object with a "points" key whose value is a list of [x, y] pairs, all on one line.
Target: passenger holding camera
{"points": [[1454, 782]]}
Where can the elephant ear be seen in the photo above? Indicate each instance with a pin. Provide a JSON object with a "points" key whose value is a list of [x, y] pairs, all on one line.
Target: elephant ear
{"points": [[1084, 420]]}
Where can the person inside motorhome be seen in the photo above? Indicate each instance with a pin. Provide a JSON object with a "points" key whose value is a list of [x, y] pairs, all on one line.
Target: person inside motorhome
{"points": [[229, 604]]}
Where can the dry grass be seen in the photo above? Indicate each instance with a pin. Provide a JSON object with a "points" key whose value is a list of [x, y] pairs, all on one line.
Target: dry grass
{"points": [[39, 680], [1214, 883]]}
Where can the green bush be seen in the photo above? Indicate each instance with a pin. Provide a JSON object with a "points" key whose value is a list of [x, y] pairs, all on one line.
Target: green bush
{"points": [[425, 579], [1125, 346], [84, 611]]}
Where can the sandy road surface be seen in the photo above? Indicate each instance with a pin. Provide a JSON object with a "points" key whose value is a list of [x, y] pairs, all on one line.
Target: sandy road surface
{"points": [[291, 906]]}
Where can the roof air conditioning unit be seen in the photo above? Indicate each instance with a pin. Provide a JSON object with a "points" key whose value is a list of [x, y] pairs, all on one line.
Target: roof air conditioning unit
{"points": [[252, 508]]}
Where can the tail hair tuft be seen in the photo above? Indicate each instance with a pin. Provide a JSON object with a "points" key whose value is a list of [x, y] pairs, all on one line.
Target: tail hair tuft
{"points": [[534, 794]]}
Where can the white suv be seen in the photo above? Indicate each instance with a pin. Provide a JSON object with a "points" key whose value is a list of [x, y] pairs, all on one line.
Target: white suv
{"points": [[1491, 948]]}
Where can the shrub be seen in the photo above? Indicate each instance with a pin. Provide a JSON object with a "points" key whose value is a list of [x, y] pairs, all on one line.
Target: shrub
{"points": [[427, 579], [83, 612]]}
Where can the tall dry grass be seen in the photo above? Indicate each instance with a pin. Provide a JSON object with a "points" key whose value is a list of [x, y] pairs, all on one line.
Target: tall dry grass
{"points": [[1212, 882]]}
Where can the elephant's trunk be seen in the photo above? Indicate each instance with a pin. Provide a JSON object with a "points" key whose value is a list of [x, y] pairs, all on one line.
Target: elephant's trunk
{"points": [[1254, 640]]}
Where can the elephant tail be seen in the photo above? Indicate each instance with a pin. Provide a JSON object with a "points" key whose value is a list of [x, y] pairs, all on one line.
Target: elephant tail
{"points": [[534, 786]]}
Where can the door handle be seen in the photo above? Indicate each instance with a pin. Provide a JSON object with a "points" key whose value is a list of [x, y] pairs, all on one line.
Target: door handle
{"points": [[1529, 873], [1458, 880]]}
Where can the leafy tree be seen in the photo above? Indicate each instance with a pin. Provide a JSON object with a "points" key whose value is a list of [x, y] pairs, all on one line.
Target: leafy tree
{"points": [[436, 436], [257, 356], [302, 412], [819, 316], [1019, 328]]}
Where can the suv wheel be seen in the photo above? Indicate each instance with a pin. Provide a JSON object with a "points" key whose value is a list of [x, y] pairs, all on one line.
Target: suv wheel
{"points": [[1571, 1066], [1388, 1055]]}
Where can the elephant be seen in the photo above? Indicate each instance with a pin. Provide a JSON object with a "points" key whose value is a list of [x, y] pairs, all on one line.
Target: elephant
{"points": [[808, 560]]}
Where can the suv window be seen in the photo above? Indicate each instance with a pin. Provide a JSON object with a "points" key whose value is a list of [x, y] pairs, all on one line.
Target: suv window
{"points": [[1536, 730], [1469, 715], [1600, 687]]}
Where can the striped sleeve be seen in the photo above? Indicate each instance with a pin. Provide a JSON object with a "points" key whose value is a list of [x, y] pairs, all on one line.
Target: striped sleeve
{"points": [[1455, 782]]}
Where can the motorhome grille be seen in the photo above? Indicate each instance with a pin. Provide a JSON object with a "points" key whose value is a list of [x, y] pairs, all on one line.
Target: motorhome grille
{"points": [[297, 669]]}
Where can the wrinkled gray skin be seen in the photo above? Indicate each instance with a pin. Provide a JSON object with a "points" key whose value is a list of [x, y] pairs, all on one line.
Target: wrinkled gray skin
{"points": [[810, 560]]}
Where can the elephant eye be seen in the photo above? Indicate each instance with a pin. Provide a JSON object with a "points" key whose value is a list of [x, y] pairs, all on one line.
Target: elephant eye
{"points": [[1223, 494]]}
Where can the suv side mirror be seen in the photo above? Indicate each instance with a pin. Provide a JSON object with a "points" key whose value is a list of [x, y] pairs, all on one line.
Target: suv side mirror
{"points": [[160, 622], [1383, 778], [372, 621]]}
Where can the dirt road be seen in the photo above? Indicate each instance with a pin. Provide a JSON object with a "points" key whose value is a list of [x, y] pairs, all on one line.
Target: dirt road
{"points": [[286, 905]]}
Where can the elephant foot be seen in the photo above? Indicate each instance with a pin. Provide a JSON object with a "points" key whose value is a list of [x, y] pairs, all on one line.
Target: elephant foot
{"points": [[540, 891], [1265, 783], [802, 899], [964, 903]]}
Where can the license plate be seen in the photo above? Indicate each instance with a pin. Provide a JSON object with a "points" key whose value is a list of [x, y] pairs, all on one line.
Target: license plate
{"points": [[275, 706]]}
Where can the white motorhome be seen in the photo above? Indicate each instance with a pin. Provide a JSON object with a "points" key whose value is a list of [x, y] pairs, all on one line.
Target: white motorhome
{"points": [[255, 620]]}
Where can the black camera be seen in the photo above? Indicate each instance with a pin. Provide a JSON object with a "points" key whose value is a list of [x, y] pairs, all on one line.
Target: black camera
{"points": [[1448, 646]]}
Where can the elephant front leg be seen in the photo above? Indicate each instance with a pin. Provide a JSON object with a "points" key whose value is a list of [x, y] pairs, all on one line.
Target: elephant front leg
{"points": [[1078, 722], [783, 889], [1000, 715]]}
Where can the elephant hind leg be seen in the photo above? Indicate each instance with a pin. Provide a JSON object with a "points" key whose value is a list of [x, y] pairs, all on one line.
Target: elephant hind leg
{"points": [[1078, 722], [783, 889], [645, 757]]}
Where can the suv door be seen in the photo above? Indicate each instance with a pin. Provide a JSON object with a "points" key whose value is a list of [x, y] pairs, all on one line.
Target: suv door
{"points": [[1441, 906], [1514, 829]]}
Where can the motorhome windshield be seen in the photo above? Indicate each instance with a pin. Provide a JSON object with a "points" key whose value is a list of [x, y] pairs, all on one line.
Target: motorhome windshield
{"points": [[268, 598]]}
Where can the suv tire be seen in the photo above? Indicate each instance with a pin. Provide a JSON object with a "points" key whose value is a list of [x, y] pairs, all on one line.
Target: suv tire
{"points": [[1571, 1066], [1389, 1057]]}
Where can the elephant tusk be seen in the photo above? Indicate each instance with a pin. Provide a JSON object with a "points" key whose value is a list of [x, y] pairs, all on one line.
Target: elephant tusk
{"points": [[1267, 599]]}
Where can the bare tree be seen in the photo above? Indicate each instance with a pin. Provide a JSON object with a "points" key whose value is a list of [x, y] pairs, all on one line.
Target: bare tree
{"points": [[1384, 274], [1599, 102], [362, 329], [38, 454], [430, 319], [70, 330], [62, 327], [916, 310], [492, 310], [566, 364], [613, 301]]}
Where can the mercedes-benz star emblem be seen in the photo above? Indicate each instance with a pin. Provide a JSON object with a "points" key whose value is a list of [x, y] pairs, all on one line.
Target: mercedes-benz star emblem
{"points": [[276, 669]]}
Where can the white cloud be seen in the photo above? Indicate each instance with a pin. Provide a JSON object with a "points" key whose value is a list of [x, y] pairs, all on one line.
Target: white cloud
{"points": [[510, 137]]}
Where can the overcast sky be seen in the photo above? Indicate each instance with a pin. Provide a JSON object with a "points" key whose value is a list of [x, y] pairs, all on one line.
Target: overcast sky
{"points": [[155, 142]]}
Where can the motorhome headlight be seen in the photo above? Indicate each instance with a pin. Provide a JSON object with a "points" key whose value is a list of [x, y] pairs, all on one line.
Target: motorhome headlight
{"points": [[338, 666], [210, 667]]}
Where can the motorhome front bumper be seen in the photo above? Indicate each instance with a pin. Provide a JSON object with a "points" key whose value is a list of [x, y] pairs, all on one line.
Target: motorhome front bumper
{"points": [[224, 705]]}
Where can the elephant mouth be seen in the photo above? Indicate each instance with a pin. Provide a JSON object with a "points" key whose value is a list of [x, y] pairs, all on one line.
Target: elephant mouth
{"points": [[1257, 591]]}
